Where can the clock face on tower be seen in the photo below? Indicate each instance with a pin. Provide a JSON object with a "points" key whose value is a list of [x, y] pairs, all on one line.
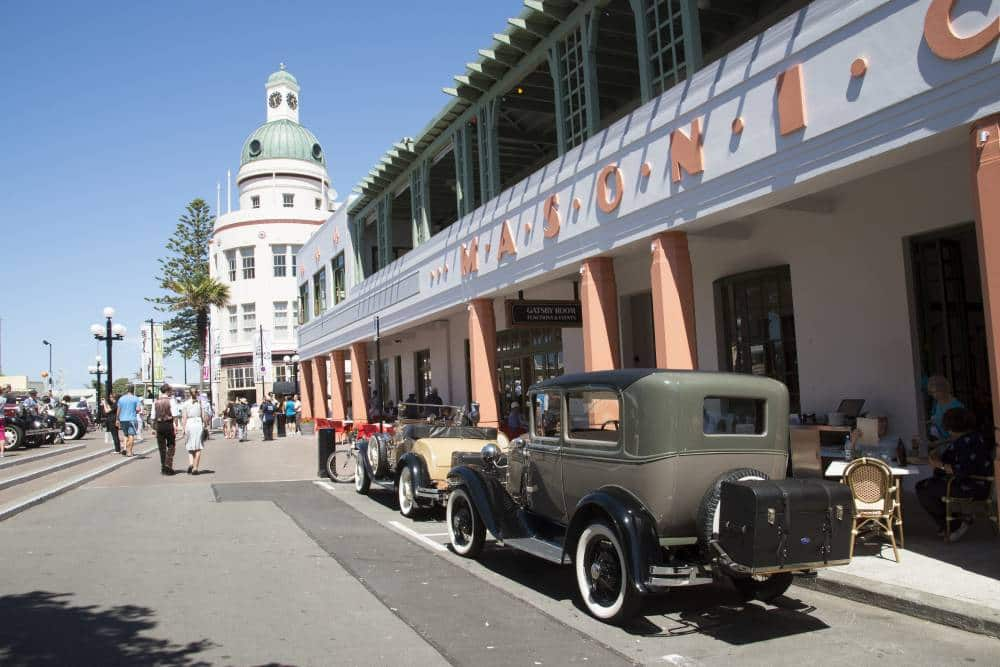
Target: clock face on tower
{"points": [[274, 100], [293, 101]]}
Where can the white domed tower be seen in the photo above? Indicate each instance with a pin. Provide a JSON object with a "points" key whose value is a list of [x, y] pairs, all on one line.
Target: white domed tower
{"points": [[284, 196]]}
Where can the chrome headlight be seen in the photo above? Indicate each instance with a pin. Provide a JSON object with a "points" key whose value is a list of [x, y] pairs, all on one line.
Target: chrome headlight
{"points": [[37, 424], [490, 452]]}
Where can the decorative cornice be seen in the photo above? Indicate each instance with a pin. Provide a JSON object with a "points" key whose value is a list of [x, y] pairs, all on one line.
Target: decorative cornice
{"points": [[287, 221]]}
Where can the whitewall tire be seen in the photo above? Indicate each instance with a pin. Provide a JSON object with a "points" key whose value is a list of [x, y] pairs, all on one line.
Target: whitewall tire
{"points": [[602, 575], [465, 527]]}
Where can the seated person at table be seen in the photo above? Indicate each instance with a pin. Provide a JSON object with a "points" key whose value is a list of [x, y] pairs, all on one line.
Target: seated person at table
{"points": [[940, 391], [967, 456]]}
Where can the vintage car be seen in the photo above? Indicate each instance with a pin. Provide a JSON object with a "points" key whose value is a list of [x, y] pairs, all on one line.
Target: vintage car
{"points": [[24, 428], [624, 474], [415, 459]]}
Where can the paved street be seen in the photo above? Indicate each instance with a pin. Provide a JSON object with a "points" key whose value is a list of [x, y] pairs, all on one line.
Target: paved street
{"points": [[258, 563]]}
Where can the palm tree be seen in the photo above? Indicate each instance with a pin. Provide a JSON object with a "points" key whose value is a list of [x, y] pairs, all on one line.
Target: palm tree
{"points": [[198, 294]]}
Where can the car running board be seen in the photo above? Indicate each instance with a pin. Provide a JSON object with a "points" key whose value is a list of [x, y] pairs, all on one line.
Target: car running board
{"points": [[550, 551]]}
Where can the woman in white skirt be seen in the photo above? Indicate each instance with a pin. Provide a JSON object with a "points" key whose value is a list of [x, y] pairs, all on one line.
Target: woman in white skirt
{"points": [[193, 426]]}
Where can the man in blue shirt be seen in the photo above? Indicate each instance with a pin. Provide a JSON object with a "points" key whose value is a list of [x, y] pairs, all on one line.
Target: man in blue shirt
{"points": [[127, 415]]}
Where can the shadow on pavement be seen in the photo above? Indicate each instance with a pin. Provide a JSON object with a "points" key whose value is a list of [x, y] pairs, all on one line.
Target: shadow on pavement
{"points": [[43, 628], [715, 611]]}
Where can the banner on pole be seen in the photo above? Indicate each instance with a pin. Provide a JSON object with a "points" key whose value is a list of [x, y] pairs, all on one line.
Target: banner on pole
{"points": [[262, 356], [158, 370]]}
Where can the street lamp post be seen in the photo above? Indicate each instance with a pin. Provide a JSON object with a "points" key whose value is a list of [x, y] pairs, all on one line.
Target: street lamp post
{"points": [[108, 334], [294, 361], [98, 370], [45, 342]]}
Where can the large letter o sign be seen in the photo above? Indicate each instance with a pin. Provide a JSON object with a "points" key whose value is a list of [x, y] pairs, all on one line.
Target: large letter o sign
{"points": [[605, 203]]}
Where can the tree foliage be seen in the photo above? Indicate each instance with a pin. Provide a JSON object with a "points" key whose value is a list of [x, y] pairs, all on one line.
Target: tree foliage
{"points": [[120, 386], [198, 294], [186, 259]]}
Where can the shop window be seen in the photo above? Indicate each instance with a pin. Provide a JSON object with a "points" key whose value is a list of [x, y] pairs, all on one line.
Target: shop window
{"points": [[234, 324], [339, 279], [281, 317], [756, 326], [249, 311], [231, 265], [247, 259], [280, 257]]}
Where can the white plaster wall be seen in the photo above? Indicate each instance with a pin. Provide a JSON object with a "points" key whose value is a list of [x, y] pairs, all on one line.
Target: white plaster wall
{"points": [[849, 283]]}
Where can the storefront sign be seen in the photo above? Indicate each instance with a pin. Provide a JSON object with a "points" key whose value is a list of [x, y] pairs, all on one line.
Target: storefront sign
{"points": [[544, 314]]}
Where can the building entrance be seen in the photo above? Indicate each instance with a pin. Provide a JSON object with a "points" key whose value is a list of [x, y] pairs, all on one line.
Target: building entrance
{"points": [[524, 357], [950, 318]]}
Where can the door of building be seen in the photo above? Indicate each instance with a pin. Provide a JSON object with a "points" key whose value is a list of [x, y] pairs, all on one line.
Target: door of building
{"points": [[950, 318], [524, 357]]}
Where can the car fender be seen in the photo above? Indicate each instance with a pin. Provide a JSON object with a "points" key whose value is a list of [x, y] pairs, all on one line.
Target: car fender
{"points": [[479, 489], [631, 521], [362, 446], [417, 466]]}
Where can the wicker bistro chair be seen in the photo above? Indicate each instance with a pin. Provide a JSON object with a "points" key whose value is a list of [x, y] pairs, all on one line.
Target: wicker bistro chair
{"points": [[957, 507], [875, 499]]}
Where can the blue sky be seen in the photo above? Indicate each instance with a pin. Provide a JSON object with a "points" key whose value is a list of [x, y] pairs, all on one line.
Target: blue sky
{"points": [[117, 114]]}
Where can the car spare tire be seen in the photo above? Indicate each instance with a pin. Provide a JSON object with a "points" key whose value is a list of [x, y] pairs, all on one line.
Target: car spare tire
{"points": [[708, 509]]}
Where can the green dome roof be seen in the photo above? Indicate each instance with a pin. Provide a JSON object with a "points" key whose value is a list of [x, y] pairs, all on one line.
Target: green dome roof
{"points": [[282, 76], [282, 139]]}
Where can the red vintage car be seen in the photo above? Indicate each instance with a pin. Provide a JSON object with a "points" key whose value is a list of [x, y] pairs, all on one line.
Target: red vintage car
{"points": [[78, 423]]}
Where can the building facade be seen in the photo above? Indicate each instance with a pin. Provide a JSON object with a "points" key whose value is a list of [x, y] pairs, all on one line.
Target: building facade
{"points": [[284, 195], [805, 190]]}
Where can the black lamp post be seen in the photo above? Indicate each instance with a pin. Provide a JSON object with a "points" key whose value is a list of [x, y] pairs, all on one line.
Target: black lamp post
{"points": [[98, 370], [45, 342], [108, 334]]}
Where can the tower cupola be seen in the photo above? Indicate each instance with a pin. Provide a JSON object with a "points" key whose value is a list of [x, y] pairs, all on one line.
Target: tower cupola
{"points": [[282, 96]]}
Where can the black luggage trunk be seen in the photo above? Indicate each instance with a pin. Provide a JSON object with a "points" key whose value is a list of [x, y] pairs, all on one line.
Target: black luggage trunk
{"points": [[789, 524]]}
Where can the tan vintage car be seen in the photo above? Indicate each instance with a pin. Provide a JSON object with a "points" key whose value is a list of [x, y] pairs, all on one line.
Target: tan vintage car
{"points": [[415, 460]]}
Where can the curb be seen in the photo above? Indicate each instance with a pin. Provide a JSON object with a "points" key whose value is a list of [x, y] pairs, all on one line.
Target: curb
{"points": [[11, 462], [61, 465], [67, 486], [926, 606]]}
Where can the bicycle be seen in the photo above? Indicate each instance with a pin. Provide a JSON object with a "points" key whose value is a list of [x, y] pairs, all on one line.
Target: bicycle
{"points": [[341, 465]]}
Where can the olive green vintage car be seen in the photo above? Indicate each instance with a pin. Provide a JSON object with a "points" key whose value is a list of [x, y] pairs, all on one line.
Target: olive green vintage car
{"points": [[622, 473], [415, 459]]}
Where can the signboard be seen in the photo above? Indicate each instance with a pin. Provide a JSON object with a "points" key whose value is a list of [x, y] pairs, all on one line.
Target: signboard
{"points": [[544, 314]]}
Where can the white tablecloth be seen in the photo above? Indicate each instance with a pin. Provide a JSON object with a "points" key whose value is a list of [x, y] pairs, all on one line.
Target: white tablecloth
{"points": [[836, 470]]}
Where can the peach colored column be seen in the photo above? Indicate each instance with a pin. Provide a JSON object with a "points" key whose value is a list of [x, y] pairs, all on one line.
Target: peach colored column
{"points": [[338, 386], [305, 387], [599, 302], [673, 302], [319, 402], [359, 382], [986, 194], [482, 360]]}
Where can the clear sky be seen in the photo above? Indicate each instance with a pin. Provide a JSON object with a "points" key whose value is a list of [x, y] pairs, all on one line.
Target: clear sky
{"points": [[117, 114]]}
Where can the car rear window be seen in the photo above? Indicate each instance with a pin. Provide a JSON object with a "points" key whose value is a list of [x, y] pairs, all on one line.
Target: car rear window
{"points": [[731, 415], [594, 417]]}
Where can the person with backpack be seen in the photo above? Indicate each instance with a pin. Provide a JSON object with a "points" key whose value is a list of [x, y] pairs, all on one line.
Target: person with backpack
{"points": [[268, 409], [241, 414], [59, 412]]}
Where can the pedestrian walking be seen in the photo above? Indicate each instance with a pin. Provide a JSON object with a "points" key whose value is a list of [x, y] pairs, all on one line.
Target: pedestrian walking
{"points": [[281, 416], [290, 414], [298, 415], [241, 415], [166, 437], [128, 406], [110, 408], [195, 419], [228, 424], [267, 410]]}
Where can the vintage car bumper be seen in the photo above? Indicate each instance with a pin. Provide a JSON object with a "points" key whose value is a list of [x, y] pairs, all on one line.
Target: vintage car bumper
{"points": [[432, 495]]}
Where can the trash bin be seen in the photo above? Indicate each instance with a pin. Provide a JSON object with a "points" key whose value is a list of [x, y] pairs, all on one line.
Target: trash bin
{"points": [[325, 441]]}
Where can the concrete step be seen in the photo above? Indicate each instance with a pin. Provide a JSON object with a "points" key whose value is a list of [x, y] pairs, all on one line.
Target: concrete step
{"points": [[21, 456], [16, 498], [33, 469]]}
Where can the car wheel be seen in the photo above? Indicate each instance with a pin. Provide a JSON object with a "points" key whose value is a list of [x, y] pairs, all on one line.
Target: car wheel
{"points": [[377, 457], [362, 482], [465, 526], [602, 575], [83, 429], [708, 510], [71, 430], [14, 436], [406, 492], [764, 588]]}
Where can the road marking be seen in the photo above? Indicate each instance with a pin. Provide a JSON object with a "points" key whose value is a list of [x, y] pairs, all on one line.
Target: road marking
{"points": [[418, 536]]}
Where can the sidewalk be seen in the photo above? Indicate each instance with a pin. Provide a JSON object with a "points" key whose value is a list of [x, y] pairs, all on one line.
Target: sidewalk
{"points": [[953, 584]]}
